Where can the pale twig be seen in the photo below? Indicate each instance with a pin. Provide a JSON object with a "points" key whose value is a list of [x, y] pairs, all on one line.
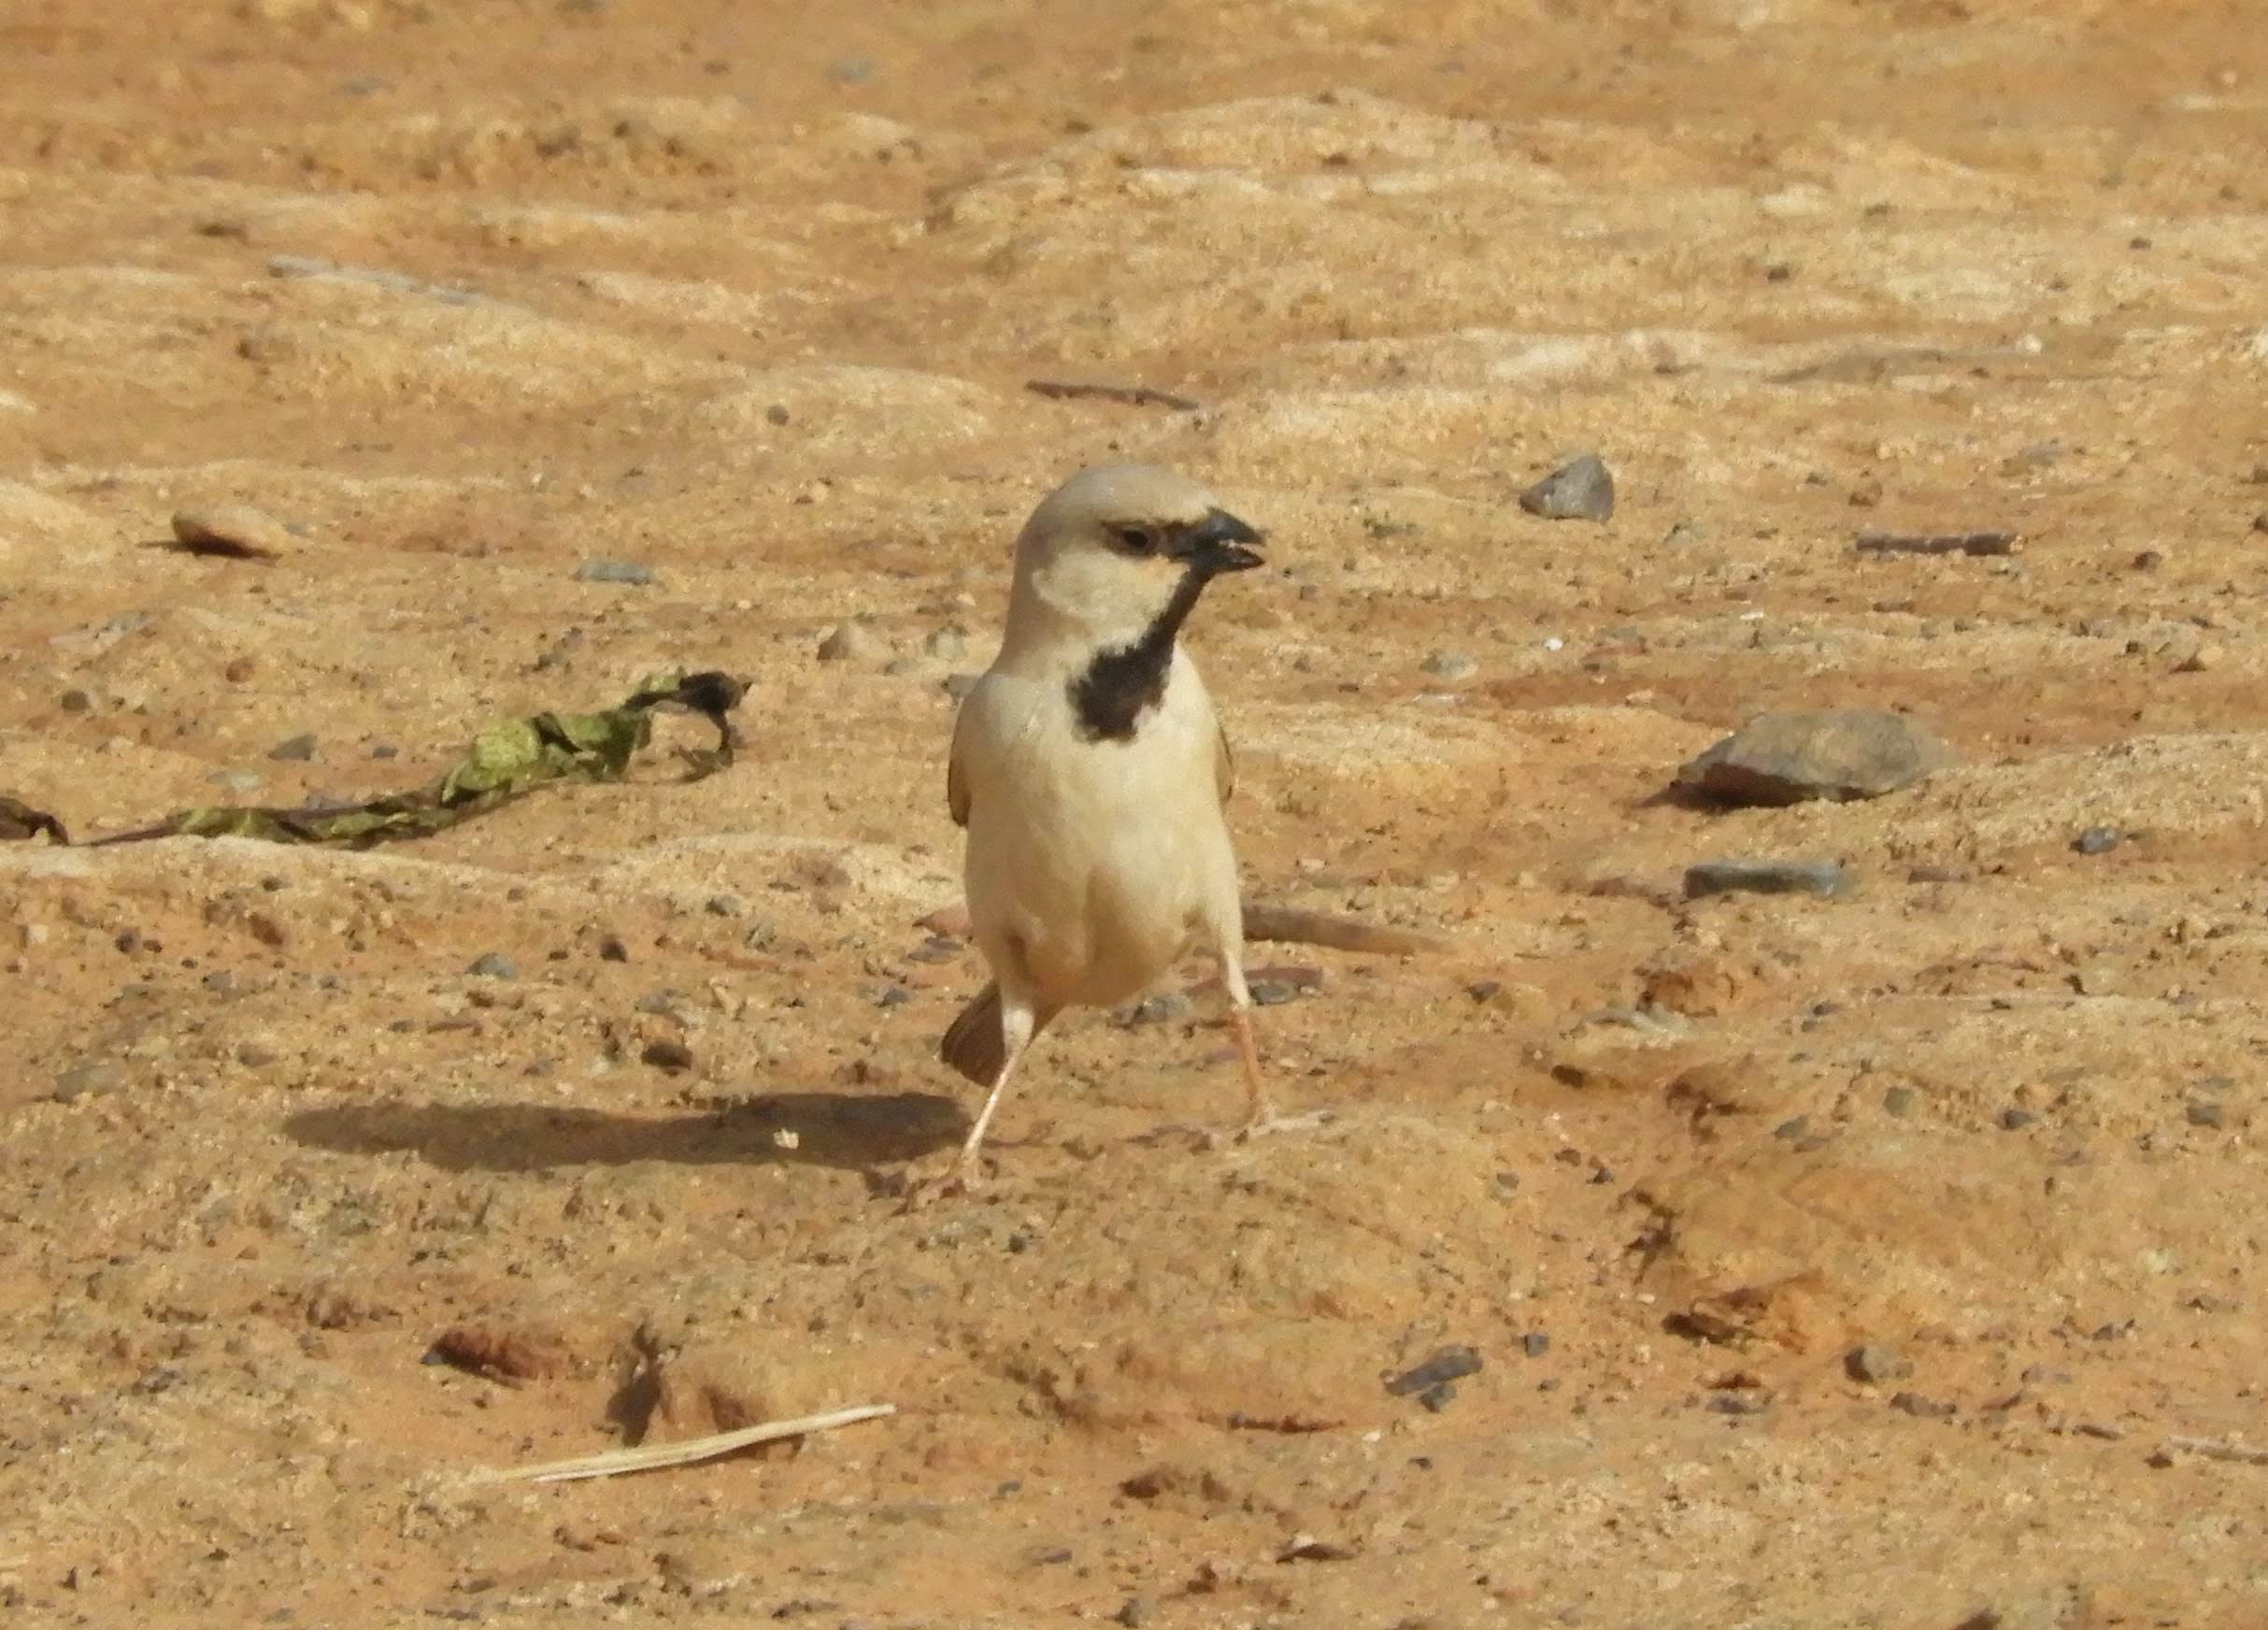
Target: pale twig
{"points": [[2216, 1449], [653, 1457]]}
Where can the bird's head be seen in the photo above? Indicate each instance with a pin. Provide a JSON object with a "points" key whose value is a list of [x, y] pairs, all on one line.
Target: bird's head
{"points": [[1116, 549]]}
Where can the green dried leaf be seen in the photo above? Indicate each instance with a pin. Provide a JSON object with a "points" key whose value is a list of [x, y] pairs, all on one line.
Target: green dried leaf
{"points": [[508, 759]]}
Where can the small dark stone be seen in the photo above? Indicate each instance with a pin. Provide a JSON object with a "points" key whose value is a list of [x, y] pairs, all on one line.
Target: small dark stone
{"points": [[1872, 1362], [494, 965], [723, 906], [1898, 1102], [75, 701], [1536, 1344], [1825, 879], [2148, 560], [1737, 1404], [1133, 1612], [635, 574], [2016, 1120], [1922, 1409], [2098, 840], [671, 1056], [777, 413], [1582, 489], [1792, 1128], [2203, 1113], [1273, 992], [297, 749], [611, 948], [1162, 1008], [384, 749], [2259, 521], [1448, 1365], [1438, 1397]]}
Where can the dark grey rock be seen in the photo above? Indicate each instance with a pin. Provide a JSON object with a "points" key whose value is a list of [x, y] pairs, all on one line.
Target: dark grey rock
{"points": [[1582, 489], [1787, 758], [1536, 1344], [2203, 1113], [1922, 1409], [1273, 993], [1438, 1397], [1871, 1362], [667, 1055], [1448, 1365], [1825, 879], [298, 749], [1899, 1102], [635, 573], [1162, 1008], [2098, 840], [2016, 1120], [494, 965]]}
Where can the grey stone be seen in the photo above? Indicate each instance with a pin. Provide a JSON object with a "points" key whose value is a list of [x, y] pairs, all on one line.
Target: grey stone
{"points": [[1448, 1365], [494, 965], [1451, 665], [635, 573], [298, 749], [1162, 1008], [1871, 1362], [1582, 489], [1824, 877], [851, 642], [2203, 1113], [88, 1080], [2098, 840], [1842, 754]]}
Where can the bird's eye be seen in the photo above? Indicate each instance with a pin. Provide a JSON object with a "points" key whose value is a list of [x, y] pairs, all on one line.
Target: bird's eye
{"points": [[1136, 539]]}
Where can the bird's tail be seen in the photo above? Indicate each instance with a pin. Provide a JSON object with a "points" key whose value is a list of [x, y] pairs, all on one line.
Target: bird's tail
{"points": [[973, 1043]]}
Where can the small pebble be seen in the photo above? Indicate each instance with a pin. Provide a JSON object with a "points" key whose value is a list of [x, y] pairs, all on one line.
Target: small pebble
{"points": [[1448, 1365], [1273, 992], [777, 413], [1162, 1008], [1825, 879], [1437, 1398], [494, 965], [75, 701], [2149, 560], [667, 1055], [1133, 1612], [1791, 1129], [239, 781], [88, 1080], [297, 749], [602, 570], [2203, 1113], [2098, 840], [851, 642], [231, 529], [723, 906], [1536, 1344], [1580, 490], [1451, 665], [1899, 1102], [2016, 1120], [2259, 521], [1923, 1409], [1871, 1362]]}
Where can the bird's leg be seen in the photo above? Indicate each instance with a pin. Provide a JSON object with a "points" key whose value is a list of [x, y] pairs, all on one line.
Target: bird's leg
{"points": [[1260, 1109], [1018, 1023]]}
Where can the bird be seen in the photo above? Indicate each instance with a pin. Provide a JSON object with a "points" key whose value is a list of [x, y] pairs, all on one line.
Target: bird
{"points": [[1090, 773]]}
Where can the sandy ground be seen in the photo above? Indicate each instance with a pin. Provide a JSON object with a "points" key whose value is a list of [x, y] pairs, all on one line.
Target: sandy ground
{"points": [[468, 297]]}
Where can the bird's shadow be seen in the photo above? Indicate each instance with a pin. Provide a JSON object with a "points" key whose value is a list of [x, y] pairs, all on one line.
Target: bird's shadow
{"points": [[846, 1131]]}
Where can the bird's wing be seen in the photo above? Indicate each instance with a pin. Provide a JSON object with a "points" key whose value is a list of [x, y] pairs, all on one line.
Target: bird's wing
{"points": [[956, 778], [1224, 764]]}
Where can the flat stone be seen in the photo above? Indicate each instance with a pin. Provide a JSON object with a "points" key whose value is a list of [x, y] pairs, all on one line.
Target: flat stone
{"points": [[1841, 754], [635, 574], [494, 965], [298, 749], [232, 529], [1449, 1363], [1582, 489], [1825, 879]]}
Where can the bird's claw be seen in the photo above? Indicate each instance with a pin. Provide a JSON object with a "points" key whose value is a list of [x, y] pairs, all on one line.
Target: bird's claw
{"points": [[1268, 1122], [918, 1193]]}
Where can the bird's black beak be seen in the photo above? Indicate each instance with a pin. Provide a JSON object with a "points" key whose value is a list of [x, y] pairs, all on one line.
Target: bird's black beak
{"points": [[1219, 543]]}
